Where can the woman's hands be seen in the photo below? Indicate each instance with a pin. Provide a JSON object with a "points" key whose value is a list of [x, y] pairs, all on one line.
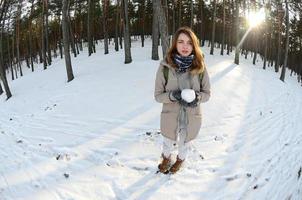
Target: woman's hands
{"points": [[176, 96]]}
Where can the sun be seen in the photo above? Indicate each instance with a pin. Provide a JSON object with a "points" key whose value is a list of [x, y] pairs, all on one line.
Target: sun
{"points": [[256, 18]]}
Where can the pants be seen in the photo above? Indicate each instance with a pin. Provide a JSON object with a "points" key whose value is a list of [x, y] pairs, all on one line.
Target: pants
{"points": [[168, 145]]}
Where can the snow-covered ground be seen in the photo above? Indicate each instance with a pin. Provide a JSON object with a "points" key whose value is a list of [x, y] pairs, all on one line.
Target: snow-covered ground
{"points": [[97, 136]]}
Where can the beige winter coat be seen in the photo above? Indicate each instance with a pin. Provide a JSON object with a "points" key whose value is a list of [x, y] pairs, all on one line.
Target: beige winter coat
{"points": [[170, 109]]}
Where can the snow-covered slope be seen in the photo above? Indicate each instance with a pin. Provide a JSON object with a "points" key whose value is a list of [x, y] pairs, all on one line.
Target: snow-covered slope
{"points": [[97, 136]]}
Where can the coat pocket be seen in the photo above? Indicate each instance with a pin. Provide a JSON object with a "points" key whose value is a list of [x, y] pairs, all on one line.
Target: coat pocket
{"points": [[168, 124], [193, 126]]}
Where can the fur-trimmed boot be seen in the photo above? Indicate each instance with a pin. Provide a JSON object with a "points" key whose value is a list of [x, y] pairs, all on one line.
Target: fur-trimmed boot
{"points": [[165, 164], [176, 166]]}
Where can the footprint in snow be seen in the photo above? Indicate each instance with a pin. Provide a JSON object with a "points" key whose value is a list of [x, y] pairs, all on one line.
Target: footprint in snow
{"points": [[231, 178]]}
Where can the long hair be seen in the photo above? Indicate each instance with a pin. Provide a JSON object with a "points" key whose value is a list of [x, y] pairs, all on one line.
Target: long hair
{"points": [[198, 64]]}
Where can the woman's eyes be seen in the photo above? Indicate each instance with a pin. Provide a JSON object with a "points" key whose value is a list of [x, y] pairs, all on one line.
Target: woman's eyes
{"points": [[182, 42]]}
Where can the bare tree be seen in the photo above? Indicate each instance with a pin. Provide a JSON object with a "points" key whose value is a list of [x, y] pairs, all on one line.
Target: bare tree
{"points": [[89, 26], [201, 25], [266, 35], [46, 34], [128, 58], [237, 33], [213, 28], [18, 36], [30, 32], [282, 77], [66, 40], [162, 26], [142, 22], [105, 24], [117, 25], [280, 14], [155, 33], [191, 15], [223, 29], [3, 5]]}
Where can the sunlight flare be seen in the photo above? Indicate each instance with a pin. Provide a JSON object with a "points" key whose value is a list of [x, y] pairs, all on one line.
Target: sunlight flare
{"points": [[255, 18]]}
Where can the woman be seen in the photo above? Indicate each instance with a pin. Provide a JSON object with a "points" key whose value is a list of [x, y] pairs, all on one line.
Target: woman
{"points": [[183, 69]]}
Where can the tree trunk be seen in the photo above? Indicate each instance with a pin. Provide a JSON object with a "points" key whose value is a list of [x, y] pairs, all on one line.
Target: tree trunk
{"points": [[60, 39], [213, 28], [155, 33], [237, 33], [162, 26], [18, 37], [66, 39], [173, 15], [201, 28], [282, 77], [192, 15], [89, 27], [9, 57], [47, 46], [1, 90], [279, 16], [30, 37], [13, 56], [105, 24], [2, 68], [127, 50], [266, 29], [223, 29], [255, 48], [142, 23], [71, 35], [117, 22], [179, 13]]}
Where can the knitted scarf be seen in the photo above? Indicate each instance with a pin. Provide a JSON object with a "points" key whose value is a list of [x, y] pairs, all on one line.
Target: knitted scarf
{"points": [[183, 62]]}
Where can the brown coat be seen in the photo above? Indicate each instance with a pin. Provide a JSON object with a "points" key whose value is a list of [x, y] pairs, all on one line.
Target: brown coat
{"points": [[170, 109]]}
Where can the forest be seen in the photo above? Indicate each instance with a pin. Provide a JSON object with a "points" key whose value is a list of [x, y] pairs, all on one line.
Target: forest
{"points": [[33, 32]]}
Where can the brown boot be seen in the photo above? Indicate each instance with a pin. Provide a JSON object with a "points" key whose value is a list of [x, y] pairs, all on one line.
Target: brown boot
{"points": [[176, 166], [165, 164]]}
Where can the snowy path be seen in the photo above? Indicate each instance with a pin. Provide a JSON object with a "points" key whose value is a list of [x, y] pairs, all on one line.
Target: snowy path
{"points": [[88, 140]]}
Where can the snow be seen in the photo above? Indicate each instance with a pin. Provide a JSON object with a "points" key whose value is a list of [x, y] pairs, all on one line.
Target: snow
{"points": [[188, 95], [97, 136]]}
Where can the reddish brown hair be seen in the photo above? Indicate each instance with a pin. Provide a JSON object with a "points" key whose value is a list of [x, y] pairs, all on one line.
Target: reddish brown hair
{"points": [[198, 61]]}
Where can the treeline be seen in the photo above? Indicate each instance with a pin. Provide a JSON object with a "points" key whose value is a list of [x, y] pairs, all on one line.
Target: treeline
{"points": [[36, 31]]}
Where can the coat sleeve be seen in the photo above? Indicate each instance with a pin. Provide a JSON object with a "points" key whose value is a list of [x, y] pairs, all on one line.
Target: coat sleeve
{"points": [[205, 88], [160, 93]]}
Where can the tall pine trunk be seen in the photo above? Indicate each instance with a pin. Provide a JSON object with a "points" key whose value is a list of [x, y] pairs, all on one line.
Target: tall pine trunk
{"points": [[105, 25], [191, 15], [223, 29], [162, 26], [142, 23], [2, 67], [266, 29], [117, 25], [47, 46], [237, 32], [65, 27], [127, 50], [155, 33], [89, 26], [279, 17], [18, 37], [282, 77], [213, 28]]}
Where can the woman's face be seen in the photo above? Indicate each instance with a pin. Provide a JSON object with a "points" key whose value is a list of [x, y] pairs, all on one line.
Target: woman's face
{"points": [[184, 45]]}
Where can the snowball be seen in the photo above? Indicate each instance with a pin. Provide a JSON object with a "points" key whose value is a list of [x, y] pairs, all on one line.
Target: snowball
{"points": [[188, 95]]}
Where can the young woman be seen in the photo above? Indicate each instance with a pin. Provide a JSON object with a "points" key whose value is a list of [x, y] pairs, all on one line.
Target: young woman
{"points": [[182, 83]]}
